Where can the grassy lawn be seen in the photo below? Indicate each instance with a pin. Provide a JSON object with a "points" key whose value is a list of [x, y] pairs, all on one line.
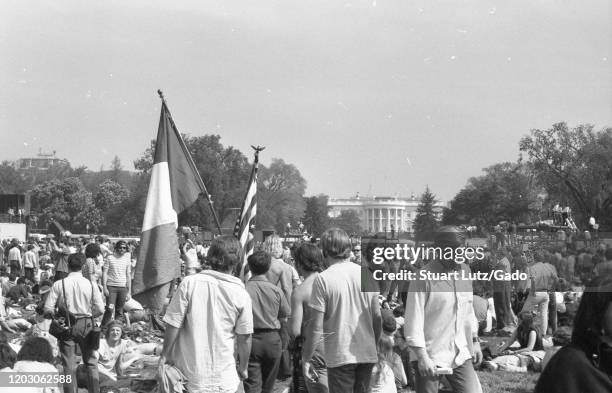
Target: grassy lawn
{"points": [[505, 382]]}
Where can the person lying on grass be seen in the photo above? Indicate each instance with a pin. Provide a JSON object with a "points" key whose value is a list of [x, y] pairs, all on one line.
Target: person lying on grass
{"points": [[530, 353]]}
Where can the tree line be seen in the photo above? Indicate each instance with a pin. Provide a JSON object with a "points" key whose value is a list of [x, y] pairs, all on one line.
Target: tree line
{"points": [[559, 165], [113, 201]]}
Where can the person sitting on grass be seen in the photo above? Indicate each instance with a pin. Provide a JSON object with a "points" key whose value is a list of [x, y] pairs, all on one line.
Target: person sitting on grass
{"points": [[530, 353], [115, 355], [19, 291]]}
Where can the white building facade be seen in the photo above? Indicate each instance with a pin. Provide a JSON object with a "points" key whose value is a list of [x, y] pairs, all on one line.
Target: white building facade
{"points": [[381, 214]]}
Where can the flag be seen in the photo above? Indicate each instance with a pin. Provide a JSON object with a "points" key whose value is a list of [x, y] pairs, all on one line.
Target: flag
{"points": [[175, 185], [247, 219]]}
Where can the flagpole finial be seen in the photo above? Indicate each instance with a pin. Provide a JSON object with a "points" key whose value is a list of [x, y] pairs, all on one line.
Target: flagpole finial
{"points": [[161, 93]]}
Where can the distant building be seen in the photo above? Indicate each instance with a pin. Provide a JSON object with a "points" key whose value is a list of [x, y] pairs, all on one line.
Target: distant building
{"points": [[41, 161], [381, 214]]}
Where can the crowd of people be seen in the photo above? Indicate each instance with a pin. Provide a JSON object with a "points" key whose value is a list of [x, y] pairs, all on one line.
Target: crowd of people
{"points": [[311, 311]]}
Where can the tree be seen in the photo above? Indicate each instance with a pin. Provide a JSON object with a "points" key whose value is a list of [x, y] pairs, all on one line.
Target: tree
{"points": [[68, 202], [280, 195], [11, 182], [426, 221], [506, 192], [116, 168], [110, 194], [574, 164], [316, 219], [349, 221]]}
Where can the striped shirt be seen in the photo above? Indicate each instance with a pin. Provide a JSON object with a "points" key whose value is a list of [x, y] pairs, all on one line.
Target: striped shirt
{"points": [[116, 269]]}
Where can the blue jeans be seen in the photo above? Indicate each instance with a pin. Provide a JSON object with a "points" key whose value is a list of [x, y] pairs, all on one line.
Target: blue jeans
{"points": [[462, 380], [350, 378]]}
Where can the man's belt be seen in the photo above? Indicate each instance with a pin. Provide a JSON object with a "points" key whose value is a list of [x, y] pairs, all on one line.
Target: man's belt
{"points": [[265, 330]]}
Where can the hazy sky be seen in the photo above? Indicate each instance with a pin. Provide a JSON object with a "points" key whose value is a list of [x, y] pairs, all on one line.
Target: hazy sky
{"points": [[378, 96]]}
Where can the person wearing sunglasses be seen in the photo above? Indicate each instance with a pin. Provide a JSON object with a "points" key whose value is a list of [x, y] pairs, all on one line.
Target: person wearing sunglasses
{"points": [[116, 281]]}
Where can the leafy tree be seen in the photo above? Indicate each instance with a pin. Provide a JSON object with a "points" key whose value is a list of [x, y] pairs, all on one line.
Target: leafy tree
{"points": [[575, 164], [280, 195], [506, 192], [68, 202], [11, 182], [426, 221], [110, 194], [316, 219], [349, 221]]}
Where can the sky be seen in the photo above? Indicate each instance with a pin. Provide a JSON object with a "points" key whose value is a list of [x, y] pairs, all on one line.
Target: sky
{"points": [[381, 97]]}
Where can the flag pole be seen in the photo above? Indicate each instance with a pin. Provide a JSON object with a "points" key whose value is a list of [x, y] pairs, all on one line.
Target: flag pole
{"points": [[191, 163]]}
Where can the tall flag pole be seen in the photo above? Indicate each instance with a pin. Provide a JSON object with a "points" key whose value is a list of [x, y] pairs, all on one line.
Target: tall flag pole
{"points": [[246, 220], [175, 185]]}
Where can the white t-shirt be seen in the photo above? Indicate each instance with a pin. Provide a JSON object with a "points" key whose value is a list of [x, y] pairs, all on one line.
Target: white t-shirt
{"points": [[347, 323], [210, 308], [14, 254]]}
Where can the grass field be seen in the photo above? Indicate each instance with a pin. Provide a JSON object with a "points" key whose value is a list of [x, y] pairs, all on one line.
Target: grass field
{"points": [[505, 382]]}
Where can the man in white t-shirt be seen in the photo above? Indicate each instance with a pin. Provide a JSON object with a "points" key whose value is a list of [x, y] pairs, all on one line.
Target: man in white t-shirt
{"points": [[211, 312], [349, 319]]}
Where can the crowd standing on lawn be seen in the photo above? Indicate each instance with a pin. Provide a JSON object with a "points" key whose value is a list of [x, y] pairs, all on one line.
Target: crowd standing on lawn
{"points": [[310, 310]]}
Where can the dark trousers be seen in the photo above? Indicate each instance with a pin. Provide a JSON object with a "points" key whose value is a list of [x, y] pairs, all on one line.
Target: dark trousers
{"points": [[264, 360], [462, 380], [552, 313], [68, 355], [501, 300], [350, 378], [29, 273], [114, 304]]}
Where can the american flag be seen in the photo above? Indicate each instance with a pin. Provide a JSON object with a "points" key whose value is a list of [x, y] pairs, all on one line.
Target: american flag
{"points": [[246, 220]]}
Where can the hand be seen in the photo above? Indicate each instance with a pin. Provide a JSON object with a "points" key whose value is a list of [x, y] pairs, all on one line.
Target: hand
{"points": [[309, 371], [427, 368], [477, 357], [243, 374], [162, 361], [128, 297], [105, 291]]}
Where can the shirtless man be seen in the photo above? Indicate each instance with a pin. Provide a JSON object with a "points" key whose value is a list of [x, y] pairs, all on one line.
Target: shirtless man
{"points": [[309, 262]]}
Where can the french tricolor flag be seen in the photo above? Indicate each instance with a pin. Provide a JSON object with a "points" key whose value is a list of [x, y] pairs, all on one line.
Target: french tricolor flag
{"points": [[175, 185]]}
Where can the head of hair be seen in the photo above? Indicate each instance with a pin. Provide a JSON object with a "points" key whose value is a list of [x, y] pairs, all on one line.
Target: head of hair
{"points": [[30, 247], [119, 244], [112, 324], [259, 262], [309, 257], [223, 253], [588, 322], [336, 244], [273, 245], [21, 280], [76, 261], [385, 354], [92, 250], [36, 349], [12, 276]]}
